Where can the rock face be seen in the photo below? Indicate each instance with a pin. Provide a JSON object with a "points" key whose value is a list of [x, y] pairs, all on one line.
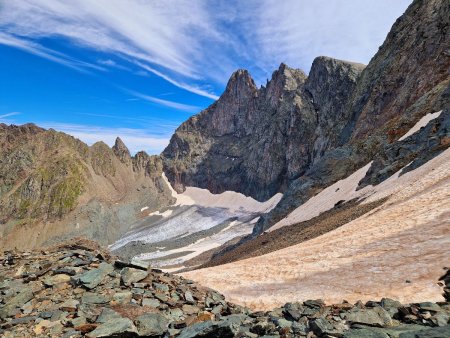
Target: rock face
{"points": [[165, 305], [59, 187], [256, 141]]}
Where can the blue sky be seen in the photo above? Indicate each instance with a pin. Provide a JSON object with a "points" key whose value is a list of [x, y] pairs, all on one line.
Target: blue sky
{"points": [[137, 69]]}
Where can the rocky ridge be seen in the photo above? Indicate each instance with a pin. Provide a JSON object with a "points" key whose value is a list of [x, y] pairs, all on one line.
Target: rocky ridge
{"points": [[77, 289], [54, 186], [256, 141]]}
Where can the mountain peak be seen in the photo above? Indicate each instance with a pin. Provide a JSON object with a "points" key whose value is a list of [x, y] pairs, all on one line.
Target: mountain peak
{"points": [[121, 150], [241, 83]]}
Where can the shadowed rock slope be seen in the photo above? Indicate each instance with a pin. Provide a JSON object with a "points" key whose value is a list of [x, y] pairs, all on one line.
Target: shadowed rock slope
{"points": [[54, 186]]}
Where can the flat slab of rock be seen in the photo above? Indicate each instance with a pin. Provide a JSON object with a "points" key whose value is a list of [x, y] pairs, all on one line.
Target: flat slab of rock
{"points": [[130, 275], [374, 317], [119, 327], [94, 277], [152, 324]]}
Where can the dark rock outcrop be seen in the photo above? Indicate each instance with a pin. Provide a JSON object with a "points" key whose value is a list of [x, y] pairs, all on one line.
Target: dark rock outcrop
{"points": [[256, 141]]}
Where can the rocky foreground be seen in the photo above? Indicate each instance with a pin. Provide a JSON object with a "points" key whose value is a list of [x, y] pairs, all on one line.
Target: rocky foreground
{"points": [[77, 289]]}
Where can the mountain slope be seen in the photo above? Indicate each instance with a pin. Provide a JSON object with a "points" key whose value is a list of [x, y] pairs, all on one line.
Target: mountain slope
{"points": [[396, 251], [53, 185]]}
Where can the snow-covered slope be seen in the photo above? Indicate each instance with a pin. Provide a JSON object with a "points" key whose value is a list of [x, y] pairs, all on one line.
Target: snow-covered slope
{"points": [[397, 250], [197, 222]]}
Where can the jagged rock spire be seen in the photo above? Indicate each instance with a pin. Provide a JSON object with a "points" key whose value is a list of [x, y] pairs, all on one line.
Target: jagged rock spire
{"points": [[121, 150]]}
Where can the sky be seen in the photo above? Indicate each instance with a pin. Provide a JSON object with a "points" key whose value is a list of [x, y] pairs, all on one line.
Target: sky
{"points": [[137, 69]]}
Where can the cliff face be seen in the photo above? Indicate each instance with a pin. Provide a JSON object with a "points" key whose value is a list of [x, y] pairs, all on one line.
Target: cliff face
{"points": [[256, 141], [47, 177]]}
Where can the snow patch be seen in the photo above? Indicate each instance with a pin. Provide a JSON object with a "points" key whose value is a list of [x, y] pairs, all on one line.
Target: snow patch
{"points": [[421, 123]]}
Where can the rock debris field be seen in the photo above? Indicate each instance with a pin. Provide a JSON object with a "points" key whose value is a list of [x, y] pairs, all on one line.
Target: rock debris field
{"points": [[77, 289]]}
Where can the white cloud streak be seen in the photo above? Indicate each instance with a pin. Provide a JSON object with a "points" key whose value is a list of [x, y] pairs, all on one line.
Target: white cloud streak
{"points": [[14, 113], [193, 43], [46, 53], [166, 103]]}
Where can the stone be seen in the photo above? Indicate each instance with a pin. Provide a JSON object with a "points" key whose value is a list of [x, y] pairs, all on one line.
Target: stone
{"points": [[121, 327], [86, 327], [139, 264], [15, 302], [189, 298], [122, 297], [283, 323], [364, 333], [130, 275], [151, 324], [23, 320], [434, 332], [209, 329], [176, 314], [94, 298], [428, 306], [94, 277], [161, 287], [69, 305], [162, 297], [374, 317], [151, 302], [107, 315], [67, 271]]}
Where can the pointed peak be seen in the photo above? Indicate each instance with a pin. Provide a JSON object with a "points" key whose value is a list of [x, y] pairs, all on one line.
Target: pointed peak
{"points": [[121, 150], [239, 82]]}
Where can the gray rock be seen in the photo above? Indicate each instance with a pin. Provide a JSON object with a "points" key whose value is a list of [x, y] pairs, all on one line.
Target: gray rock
{"points": [[94, 298], [122, 297], [94, 277], [130, 275], [374, 317], [210, 329], [107, 315], [161, 287], [364, 333], [321, 326], [189, 298], [69, 305], [151, 302], [15, 302], [434, 332], [121, 327], [151, 324], [428, 306]]}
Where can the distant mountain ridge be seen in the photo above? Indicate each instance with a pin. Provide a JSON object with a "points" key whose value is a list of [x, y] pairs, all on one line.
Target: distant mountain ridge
{"points": [[55, 185]]}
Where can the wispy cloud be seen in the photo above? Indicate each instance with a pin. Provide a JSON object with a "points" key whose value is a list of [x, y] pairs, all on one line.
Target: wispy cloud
{"points": [[193, 43], [166, 103], [14, 113], [185, 86], [135, 139], [46, 53]]}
